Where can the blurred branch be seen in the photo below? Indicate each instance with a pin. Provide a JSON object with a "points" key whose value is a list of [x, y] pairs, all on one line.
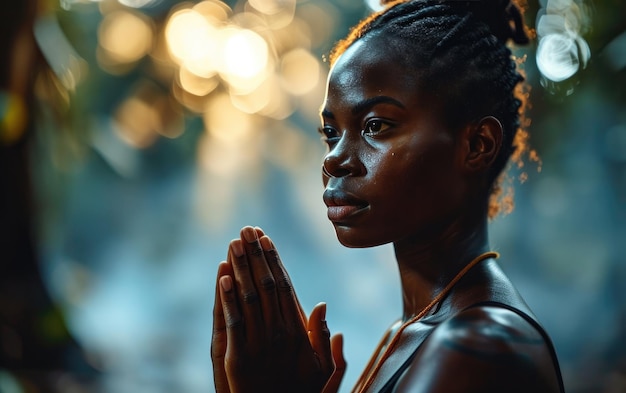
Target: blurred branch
{"points": [[34, 343]]}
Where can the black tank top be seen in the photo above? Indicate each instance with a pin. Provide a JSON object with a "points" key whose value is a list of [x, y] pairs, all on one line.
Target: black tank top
{"points": [[391, 383]]}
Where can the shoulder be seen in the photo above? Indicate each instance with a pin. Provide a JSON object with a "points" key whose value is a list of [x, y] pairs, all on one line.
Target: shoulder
{"points": [[482, 349], [490, 331]]}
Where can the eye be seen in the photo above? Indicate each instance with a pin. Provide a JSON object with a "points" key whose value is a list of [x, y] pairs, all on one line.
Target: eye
{"points": [[375, 126], [329, 135]]}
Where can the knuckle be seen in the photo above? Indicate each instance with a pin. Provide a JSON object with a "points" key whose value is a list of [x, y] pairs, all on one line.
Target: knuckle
{"points": [[232, 317], [256, 250], [268, 284], [233, 321], [219, 333], [241, 263], [284, 285], [229, 301], [273, 256], [250, 297]]}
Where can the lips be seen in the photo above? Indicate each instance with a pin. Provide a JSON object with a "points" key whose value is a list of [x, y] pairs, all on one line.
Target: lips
{"points": [[342, 205]]}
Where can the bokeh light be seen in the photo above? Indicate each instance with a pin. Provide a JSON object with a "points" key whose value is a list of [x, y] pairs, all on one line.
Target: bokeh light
{"points": [[245, 54], [276, 13], [374, 5], [193, 42], [300, 71], [195, 84], [12, 118], [146, 114], [125, 36], [558, 57], [225, 122], [245, 63], [139, 3], [562, 51]]}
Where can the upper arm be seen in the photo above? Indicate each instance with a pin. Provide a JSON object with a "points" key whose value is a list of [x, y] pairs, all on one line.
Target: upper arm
{"points": [[483, 349]]}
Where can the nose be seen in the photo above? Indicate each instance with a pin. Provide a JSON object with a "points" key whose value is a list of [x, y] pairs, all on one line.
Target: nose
{"points": [[342, 159]]}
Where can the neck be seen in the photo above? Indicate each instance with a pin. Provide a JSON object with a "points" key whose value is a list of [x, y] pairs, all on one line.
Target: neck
{"points": [[427, 265]]}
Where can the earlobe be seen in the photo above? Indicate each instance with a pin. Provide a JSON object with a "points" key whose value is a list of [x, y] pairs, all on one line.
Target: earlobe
{"points": [[484, 140]]}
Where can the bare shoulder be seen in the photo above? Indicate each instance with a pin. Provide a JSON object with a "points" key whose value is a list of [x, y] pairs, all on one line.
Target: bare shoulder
{"points": [[482, 349]]}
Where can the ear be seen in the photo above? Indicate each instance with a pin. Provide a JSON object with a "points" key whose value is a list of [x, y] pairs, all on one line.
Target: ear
{"points": [[482, 143]]}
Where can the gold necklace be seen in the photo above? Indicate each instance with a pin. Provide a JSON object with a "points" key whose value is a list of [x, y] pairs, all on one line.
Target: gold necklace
{"points": [[367, 378]]}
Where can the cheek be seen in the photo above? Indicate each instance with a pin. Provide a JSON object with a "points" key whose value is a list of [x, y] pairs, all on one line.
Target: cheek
{"points": [[418, 185]]}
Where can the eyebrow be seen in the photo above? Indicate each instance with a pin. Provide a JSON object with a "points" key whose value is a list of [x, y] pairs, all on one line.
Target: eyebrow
{"points": [[367, 104]]}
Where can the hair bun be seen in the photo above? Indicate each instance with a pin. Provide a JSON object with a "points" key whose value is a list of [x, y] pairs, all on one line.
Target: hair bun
{"points": [[503, 17]]}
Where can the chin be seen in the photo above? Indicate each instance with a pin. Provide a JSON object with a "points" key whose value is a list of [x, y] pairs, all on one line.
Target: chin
{"points": [[352, 238]]}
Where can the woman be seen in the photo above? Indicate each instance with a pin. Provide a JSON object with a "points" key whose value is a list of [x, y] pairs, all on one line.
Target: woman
{"points": [[420, 118]]}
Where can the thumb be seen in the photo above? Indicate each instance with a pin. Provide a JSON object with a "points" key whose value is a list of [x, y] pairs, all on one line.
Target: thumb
{"points": [[336, 345], [319, 337]]}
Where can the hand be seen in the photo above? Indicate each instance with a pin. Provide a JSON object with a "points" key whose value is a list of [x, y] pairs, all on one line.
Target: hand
{"points": [[262, 340]]}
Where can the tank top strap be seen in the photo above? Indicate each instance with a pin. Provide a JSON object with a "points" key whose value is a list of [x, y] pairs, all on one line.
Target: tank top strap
{"points": [[391, 382], [533, 322]]}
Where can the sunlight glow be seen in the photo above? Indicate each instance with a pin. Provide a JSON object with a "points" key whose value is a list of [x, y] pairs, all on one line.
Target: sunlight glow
{"points": [[192, 42], [235, 68], [245, 54]]}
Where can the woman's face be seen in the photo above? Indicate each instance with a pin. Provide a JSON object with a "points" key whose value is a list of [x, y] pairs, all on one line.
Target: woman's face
{"points": [[391, 172]]}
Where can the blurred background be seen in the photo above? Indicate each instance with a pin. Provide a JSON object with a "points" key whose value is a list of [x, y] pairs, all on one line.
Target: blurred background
{"points": [[138, 136]]}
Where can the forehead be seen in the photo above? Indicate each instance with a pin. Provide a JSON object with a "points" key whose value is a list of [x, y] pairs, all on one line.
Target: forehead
{"points": [[372, 66]]}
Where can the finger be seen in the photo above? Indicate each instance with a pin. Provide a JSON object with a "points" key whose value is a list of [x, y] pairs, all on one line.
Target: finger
{"points": [[263, 279], [219, 337], [336, 345], [233, 319], [291, 310], [248, 297], [319, 337]]}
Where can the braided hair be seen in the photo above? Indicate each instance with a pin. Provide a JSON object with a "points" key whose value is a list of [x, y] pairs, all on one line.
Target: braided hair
{"points": [[459, 49]]}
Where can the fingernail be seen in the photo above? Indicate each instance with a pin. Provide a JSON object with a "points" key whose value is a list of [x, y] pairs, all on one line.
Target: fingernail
{"points": [[237, 247], [249, 234], [266, 243], [323, 312], [227, 283]]}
